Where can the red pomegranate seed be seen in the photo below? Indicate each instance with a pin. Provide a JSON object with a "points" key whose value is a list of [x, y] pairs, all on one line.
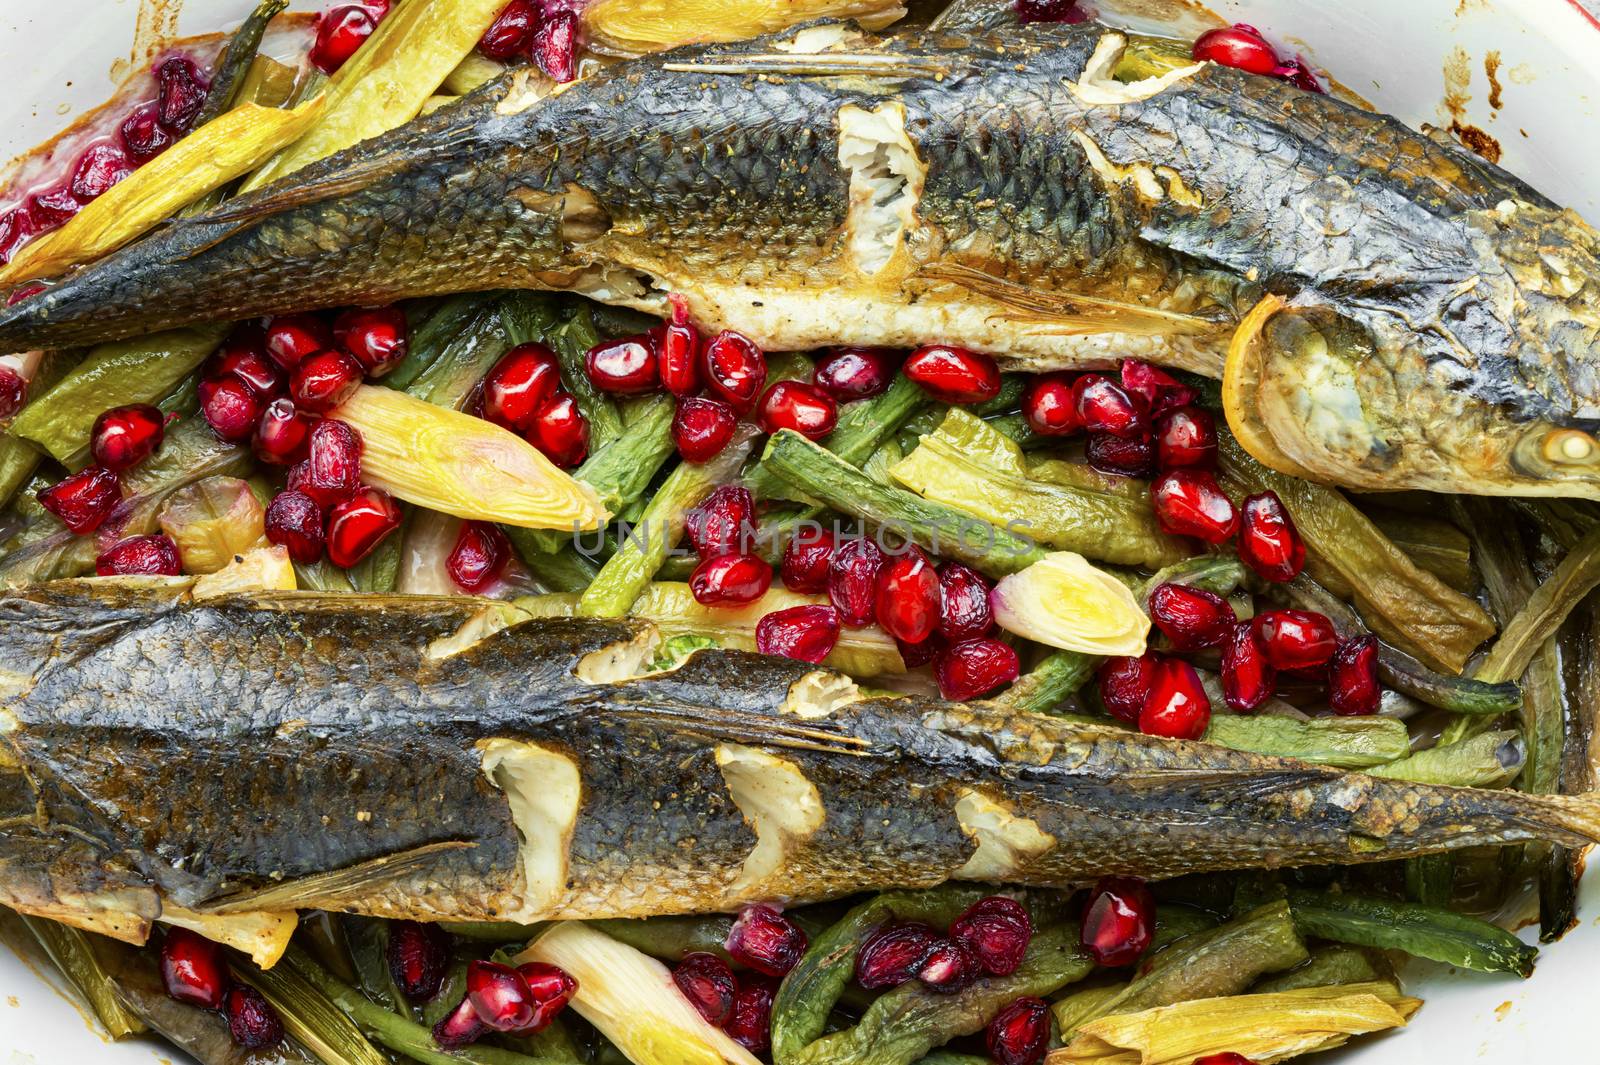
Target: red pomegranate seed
{"points": [[295, 521], [920, 654], [997, 931], [627, 366], [1237, 46], [853, 580], [511, 32], [13, 391], [192, 969], [708, 984], [333, 462], [459, 1027], [730, 580], [1160, 391], [1191, 618], [282, 434], [1268, 541], [724, 521], [1296, 639], [1119, 457], [376, 336], [1177, 706], [907, 600], [854, 373], [126, 436], [21, 292], [1227, 1057], [240, 357], [1049, 11], [324, 381], [1186, 436], [678, 355], [1353, 677], [1020, 1032], [52, 208], [1119, 920], [953, 375], [151, 556], [1190, 502], [512, 391], [418, 955], [293, 338], [964, 610], [949, 967], [702, 427], [15, 229], [763, 939], [142, 134], [1125, 683], [99, 168], [83, 499], [479, 556], [560, 431], [894, 954], [751, 1023], [555, 46], [359, 524], [1103, 406], [735, 369], [1049, 405], [807, 632], [1248, 679], [252, 1022], [552, 987], [500, 995], [340, 31], [972, 668], [1297, 73], [182, 95], [806, 409], [806, 558]]}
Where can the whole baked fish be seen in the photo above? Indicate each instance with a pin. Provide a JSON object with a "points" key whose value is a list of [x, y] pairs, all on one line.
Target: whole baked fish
{"points": [[163, 756], [1423, 320]]}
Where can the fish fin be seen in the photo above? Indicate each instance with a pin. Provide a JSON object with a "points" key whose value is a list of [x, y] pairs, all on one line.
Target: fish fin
{"points": [[821, 65], [271, 200], [351, 883]]}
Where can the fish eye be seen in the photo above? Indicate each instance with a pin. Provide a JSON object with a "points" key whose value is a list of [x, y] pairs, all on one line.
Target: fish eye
{"points": [[1571, 447]]}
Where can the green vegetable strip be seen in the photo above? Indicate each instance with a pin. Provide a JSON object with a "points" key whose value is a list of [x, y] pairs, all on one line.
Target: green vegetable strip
{"points": [[368, 938], [1341, 742], [1543, 613], [464, 360], [310, 1017], [572, 343], [862, 429], [950, 1057], [18, 460], [552, 1043], [451, 991], [945, 530], [560, 571], [74, 955], [1015, 427], [1217, 574], [1056, 677], [430, 339], [1422, 931], [491, 931], [528, 316], [670, 938], [1328, 967], [1487, 760]]}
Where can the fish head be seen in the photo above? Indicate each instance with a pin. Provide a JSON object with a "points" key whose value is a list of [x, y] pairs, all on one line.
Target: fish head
{"points": [[1483, 384]]}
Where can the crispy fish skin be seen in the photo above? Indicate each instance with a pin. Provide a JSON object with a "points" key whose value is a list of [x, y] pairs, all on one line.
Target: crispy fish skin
{"points": [[300, 750]]}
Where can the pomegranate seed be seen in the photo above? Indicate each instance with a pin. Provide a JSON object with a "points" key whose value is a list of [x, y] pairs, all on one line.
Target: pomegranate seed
{"points": [[1248, 679], [142, 134], [52, 208], [702, 428], [359, 524], [853, 580], [627, 366], [13, 391], [512, 391], [340, 31], [126, 436], [21, 292], [551, 987], [333, 462], [511, 33], [324, 381], [964, 610], [15, 229], [555, 46], [1125, 683], [1186, 436], [1191, 618], [997, 931], [294, 521], [678, 355], [83, 499], [418, 955], [972, 668], [806, 409], [1190, 502], [282, 434], [730, 580], [949, 967], [1159, 390], [192, 969], [854, 373], [1020, 1032], [723, 521], [1177, 706], [953, 375], [459, 1027], [182, 95], [1049, 11], [806, 558], [500, 995], [1297, 73], [1119, 920], [735, 369], [249, 363], [807, 632], [907, 599], [1227, 1057], [1238, 46], [920, 654], [1119, 457], [293, 338], [252, 1022], [479, 556], [1103, 406], [560, 431], [894, 954], [1049, 405], [1269, 543], [1295, 639], [99, 168], [708, 983], [376, 336], [763, 939], [1353, 677], [751, 1023]]}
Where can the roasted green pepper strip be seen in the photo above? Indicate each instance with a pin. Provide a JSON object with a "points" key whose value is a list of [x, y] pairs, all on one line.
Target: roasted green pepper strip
{"points": [[564, 570], [74, 955], [671, 937], [1422, 931], [368, 938], [18, 460], [1217, 574], [1537, 621], [1487, 760], [1048, 684], [463, 362], [572, 343], [863, 428], [1328, 967], [435, 333], [1341, 742], [310, 1017]]}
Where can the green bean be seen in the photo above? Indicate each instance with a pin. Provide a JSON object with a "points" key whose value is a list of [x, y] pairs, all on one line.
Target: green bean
{"points": [[310, 1017], [565, 570], [1329, 966], [1175, 922], [572, 343], [552, 1043], [74, 955], [1487, 760], [368, 939], [491, 931], [950, 1057], [671, 938], [528, 316], [1537, 621], [465, 359], [1422, 931], [1430, 879], [1217, 574], [1048, 684], [451, 991], [1341, 742], [862, 429], [1008, 399], [435, 333]]}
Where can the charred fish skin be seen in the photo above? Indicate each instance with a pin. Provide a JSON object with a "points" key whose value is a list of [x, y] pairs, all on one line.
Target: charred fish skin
{"points": [[309, 751]]}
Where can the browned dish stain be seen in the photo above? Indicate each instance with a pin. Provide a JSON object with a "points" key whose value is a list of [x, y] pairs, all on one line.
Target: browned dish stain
{"points": [[1457, 94], [1465, 6], [1501, 1010], [1477, 140], [1491, 67]]}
